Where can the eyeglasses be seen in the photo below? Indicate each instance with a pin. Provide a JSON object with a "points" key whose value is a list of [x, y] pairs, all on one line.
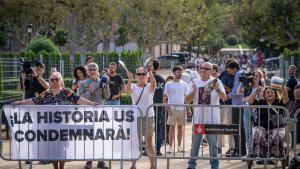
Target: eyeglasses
{"points": [[92, 70], [54, 79], [141, 74], [204, 68]]}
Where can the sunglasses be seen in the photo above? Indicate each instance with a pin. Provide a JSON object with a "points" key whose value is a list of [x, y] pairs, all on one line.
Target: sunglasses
{"points": [[204, 68], [92, 70], [141, 74], [54, 79]]}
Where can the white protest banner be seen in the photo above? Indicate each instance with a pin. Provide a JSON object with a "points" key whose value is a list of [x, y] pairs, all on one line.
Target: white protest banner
{"points": [[73, 132]]}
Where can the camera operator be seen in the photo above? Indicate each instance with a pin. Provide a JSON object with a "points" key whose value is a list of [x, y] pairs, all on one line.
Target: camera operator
{"points": [[233, 68], [250, 82], [32, 82], [95, 88]]}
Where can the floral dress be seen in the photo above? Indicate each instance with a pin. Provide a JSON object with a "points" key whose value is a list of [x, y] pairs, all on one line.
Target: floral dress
{"points": [[61, 98]]}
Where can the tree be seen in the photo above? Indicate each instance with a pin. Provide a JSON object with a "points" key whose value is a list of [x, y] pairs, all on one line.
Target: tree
{"points": [[271, 23], [61, 37], [231, 40], [42, 44], [44, 15], [122, 36]]}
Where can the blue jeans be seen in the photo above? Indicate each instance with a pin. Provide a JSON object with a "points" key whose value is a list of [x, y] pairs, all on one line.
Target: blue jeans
{"points": [[159, 128], [112, 102], [213, 150], [248, 114]]}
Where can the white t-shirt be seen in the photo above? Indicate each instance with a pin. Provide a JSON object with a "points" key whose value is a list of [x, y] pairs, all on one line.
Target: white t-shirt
{"points": [[146, 99], [176, 92], [206, 115]]}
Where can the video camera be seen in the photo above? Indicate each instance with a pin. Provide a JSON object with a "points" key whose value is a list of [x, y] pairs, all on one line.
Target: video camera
{"points": [[26, 66], [246, 79]]}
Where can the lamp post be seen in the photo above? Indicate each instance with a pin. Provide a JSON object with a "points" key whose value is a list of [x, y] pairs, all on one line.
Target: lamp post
{"points": [[29, 31], [116, 37]]}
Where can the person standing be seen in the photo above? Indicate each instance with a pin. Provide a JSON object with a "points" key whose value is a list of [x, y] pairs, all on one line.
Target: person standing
{"points": [[290, 86], [57, 94], [95, 89], [205, 115], [142, 95], [116, 85], [159, 112], [174, 93], [233, 68]]}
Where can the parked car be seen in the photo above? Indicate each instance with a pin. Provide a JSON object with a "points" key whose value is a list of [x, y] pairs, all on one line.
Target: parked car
{"points": [[166, 60], [272, 63], [183, 56]]}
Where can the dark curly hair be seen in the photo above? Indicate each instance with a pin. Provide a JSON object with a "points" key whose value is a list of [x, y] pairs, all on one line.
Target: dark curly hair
{"points": [[82, 69]]}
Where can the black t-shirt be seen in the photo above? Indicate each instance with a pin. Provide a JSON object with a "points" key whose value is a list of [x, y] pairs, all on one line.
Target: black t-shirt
{"points": [[264, 114], [115, 83], [159, 91], [292, 83], [32, 86]]}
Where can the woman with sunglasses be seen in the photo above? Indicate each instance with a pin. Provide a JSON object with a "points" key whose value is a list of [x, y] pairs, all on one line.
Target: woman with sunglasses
{"points": [[142, 95], [79, 75], [56, 95]]}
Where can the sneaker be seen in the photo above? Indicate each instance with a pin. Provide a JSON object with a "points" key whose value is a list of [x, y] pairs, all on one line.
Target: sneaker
{"points": [[169, 151], [44, 162], [88, 165], [180, 149], [101, 164], [158, 153]]}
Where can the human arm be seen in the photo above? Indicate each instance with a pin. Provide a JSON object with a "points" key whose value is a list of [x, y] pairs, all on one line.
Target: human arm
{"points": [[152, 82], [128, 89], [24, 102], [251, 98], [297, 93], [40, 79], [191, 94], [285, 97], [218, 87]]}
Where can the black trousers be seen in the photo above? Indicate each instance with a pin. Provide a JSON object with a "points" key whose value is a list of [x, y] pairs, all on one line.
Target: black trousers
{"points": [[237, 114]]}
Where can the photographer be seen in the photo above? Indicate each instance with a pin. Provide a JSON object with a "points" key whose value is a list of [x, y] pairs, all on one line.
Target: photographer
{"points": [[96, 89], [249, 84], [32, 82]]}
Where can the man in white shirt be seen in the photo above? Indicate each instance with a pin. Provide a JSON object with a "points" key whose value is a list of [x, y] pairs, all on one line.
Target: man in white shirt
{"points": [[205, 115], [142, 95], [174, 93]]}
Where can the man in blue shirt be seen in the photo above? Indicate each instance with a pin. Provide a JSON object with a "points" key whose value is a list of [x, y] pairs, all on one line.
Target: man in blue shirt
{"points": [[233, 68], [290, 86]]}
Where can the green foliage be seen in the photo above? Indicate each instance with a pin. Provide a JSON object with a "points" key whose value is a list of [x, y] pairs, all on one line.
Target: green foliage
{"points": [[122, 33], [126, 99], [42, 44], [61, 37], [270, 24], [231, 40]]}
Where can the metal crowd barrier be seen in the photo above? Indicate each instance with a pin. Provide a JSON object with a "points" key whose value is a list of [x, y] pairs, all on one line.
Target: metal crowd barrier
{"points": [[296, 135], [271, 153], [33, 140]]}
